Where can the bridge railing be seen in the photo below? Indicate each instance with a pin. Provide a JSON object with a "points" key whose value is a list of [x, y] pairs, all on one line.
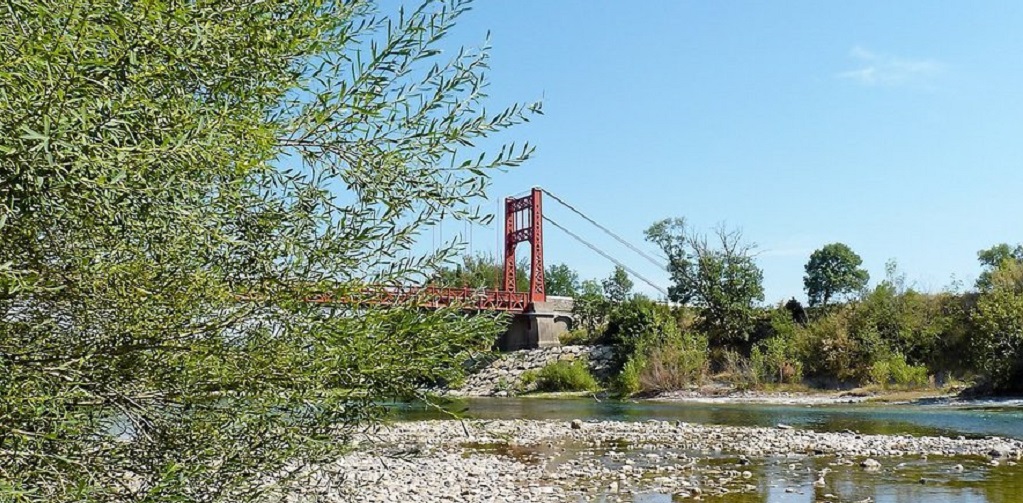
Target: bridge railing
{"points": [[474, 299]]}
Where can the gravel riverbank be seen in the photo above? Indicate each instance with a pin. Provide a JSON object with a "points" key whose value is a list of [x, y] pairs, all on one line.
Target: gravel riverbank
{"points": [[525, 460]]}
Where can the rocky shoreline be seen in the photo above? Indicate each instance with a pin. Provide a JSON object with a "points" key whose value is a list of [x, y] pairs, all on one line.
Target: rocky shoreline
{"points": [[729, 396], [502, 376], [527, 460]]}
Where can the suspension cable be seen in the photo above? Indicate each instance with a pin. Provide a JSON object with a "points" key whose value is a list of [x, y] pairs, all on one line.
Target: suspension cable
{"points": [[618, 238], [607, 256]]}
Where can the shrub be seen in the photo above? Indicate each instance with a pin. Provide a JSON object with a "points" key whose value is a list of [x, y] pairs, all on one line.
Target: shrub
{"points": [[829, 348], [675, 364], [637, 324], [998, 345], [738, 370], [904, 374], [777, 359], [527, 380], [566, 376], [880, 373], [627, 382], [591, 309], [667, 366], [895, 370]]}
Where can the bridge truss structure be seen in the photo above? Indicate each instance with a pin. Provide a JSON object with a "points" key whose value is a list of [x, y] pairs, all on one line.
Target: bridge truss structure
{"points": [[523, 223]]}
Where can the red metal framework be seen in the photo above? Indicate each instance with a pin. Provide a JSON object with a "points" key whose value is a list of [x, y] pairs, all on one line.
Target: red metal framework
{"points": [[523, 221], [432, 297]]}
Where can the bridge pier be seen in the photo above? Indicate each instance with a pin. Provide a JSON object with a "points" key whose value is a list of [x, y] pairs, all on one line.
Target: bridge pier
{"points": [[540, 327]]}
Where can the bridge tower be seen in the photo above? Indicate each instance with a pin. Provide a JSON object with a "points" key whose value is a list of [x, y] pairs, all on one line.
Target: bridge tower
{"points": [[523, 222], [538, 326]]}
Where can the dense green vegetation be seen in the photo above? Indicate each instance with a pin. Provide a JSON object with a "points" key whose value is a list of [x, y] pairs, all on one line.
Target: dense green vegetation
{"points": [[888, 336], [177, 179]]}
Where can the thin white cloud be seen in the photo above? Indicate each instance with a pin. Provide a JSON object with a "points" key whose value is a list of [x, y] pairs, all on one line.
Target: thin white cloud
{"points": [[886, 70]]}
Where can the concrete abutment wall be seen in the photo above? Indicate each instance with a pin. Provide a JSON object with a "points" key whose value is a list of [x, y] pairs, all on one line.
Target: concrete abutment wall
{"points": [[540, 326]]}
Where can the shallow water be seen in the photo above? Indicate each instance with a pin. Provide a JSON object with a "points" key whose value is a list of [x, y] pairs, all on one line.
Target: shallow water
{"points": [[776, 482], [864, 418], [791, 480]]}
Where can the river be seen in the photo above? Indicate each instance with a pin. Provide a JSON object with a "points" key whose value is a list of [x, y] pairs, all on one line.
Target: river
{"points": [[969, 421], [788, 481]]}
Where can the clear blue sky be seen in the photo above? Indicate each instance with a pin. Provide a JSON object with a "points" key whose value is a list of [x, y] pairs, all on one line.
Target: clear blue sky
{"points": [[894, 127]]}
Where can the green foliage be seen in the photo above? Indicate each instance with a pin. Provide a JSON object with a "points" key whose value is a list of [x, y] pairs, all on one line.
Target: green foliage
{"points": [[591, 309], [723, 281], [777, 359], [855, 342], [617, 286], [1000, 256], [566, 376], [895, 370], [880, 372], [527, 379], [998, 341], [481, 271], [502, 384], [178, 180], [638, 323], [627, 382], [904, 374], [925, 328], [831, 348], [652, 353], [561, 280], [669, 363], [737, 370], [891, 335], [832, 271]]}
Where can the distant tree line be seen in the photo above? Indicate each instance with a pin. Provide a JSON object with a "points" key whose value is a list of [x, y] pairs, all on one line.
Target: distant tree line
{"points": [[848, 334]]}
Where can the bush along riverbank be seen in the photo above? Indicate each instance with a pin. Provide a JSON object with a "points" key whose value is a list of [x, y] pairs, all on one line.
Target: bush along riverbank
{"points": [[647, 349], [715, 339], [890, 339], [717, 335], [524, 460], [588, 371]]}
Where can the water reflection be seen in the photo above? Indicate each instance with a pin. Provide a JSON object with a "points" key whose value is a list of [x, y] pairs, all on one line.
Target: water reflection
{"points": [[778, 482]]}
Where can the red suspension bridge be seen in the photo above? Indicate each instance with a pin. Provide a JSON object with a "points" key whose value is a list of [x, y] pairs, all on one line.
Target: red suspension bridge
{"points": [[523, 223]]}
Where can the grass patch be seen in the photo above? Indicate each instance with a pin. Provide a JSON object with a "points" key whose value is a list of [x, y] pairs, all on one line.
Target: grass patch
{"points": [[562, 376]]}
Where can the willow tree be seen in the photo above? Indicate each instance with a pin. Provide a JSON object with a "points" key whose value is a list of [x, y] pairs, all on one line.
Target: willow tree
{"points": [[177, 180]]}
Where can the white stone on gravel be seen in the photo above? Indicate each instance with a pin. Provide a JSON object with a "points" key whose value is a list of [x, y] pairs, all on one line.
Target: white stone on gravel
{"points": [[522, 460]]}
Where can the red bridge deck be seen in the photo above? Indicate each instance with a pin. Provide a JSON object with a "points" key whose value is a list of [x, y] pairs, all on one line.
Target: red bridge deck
{"points": [[473, 299]]}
